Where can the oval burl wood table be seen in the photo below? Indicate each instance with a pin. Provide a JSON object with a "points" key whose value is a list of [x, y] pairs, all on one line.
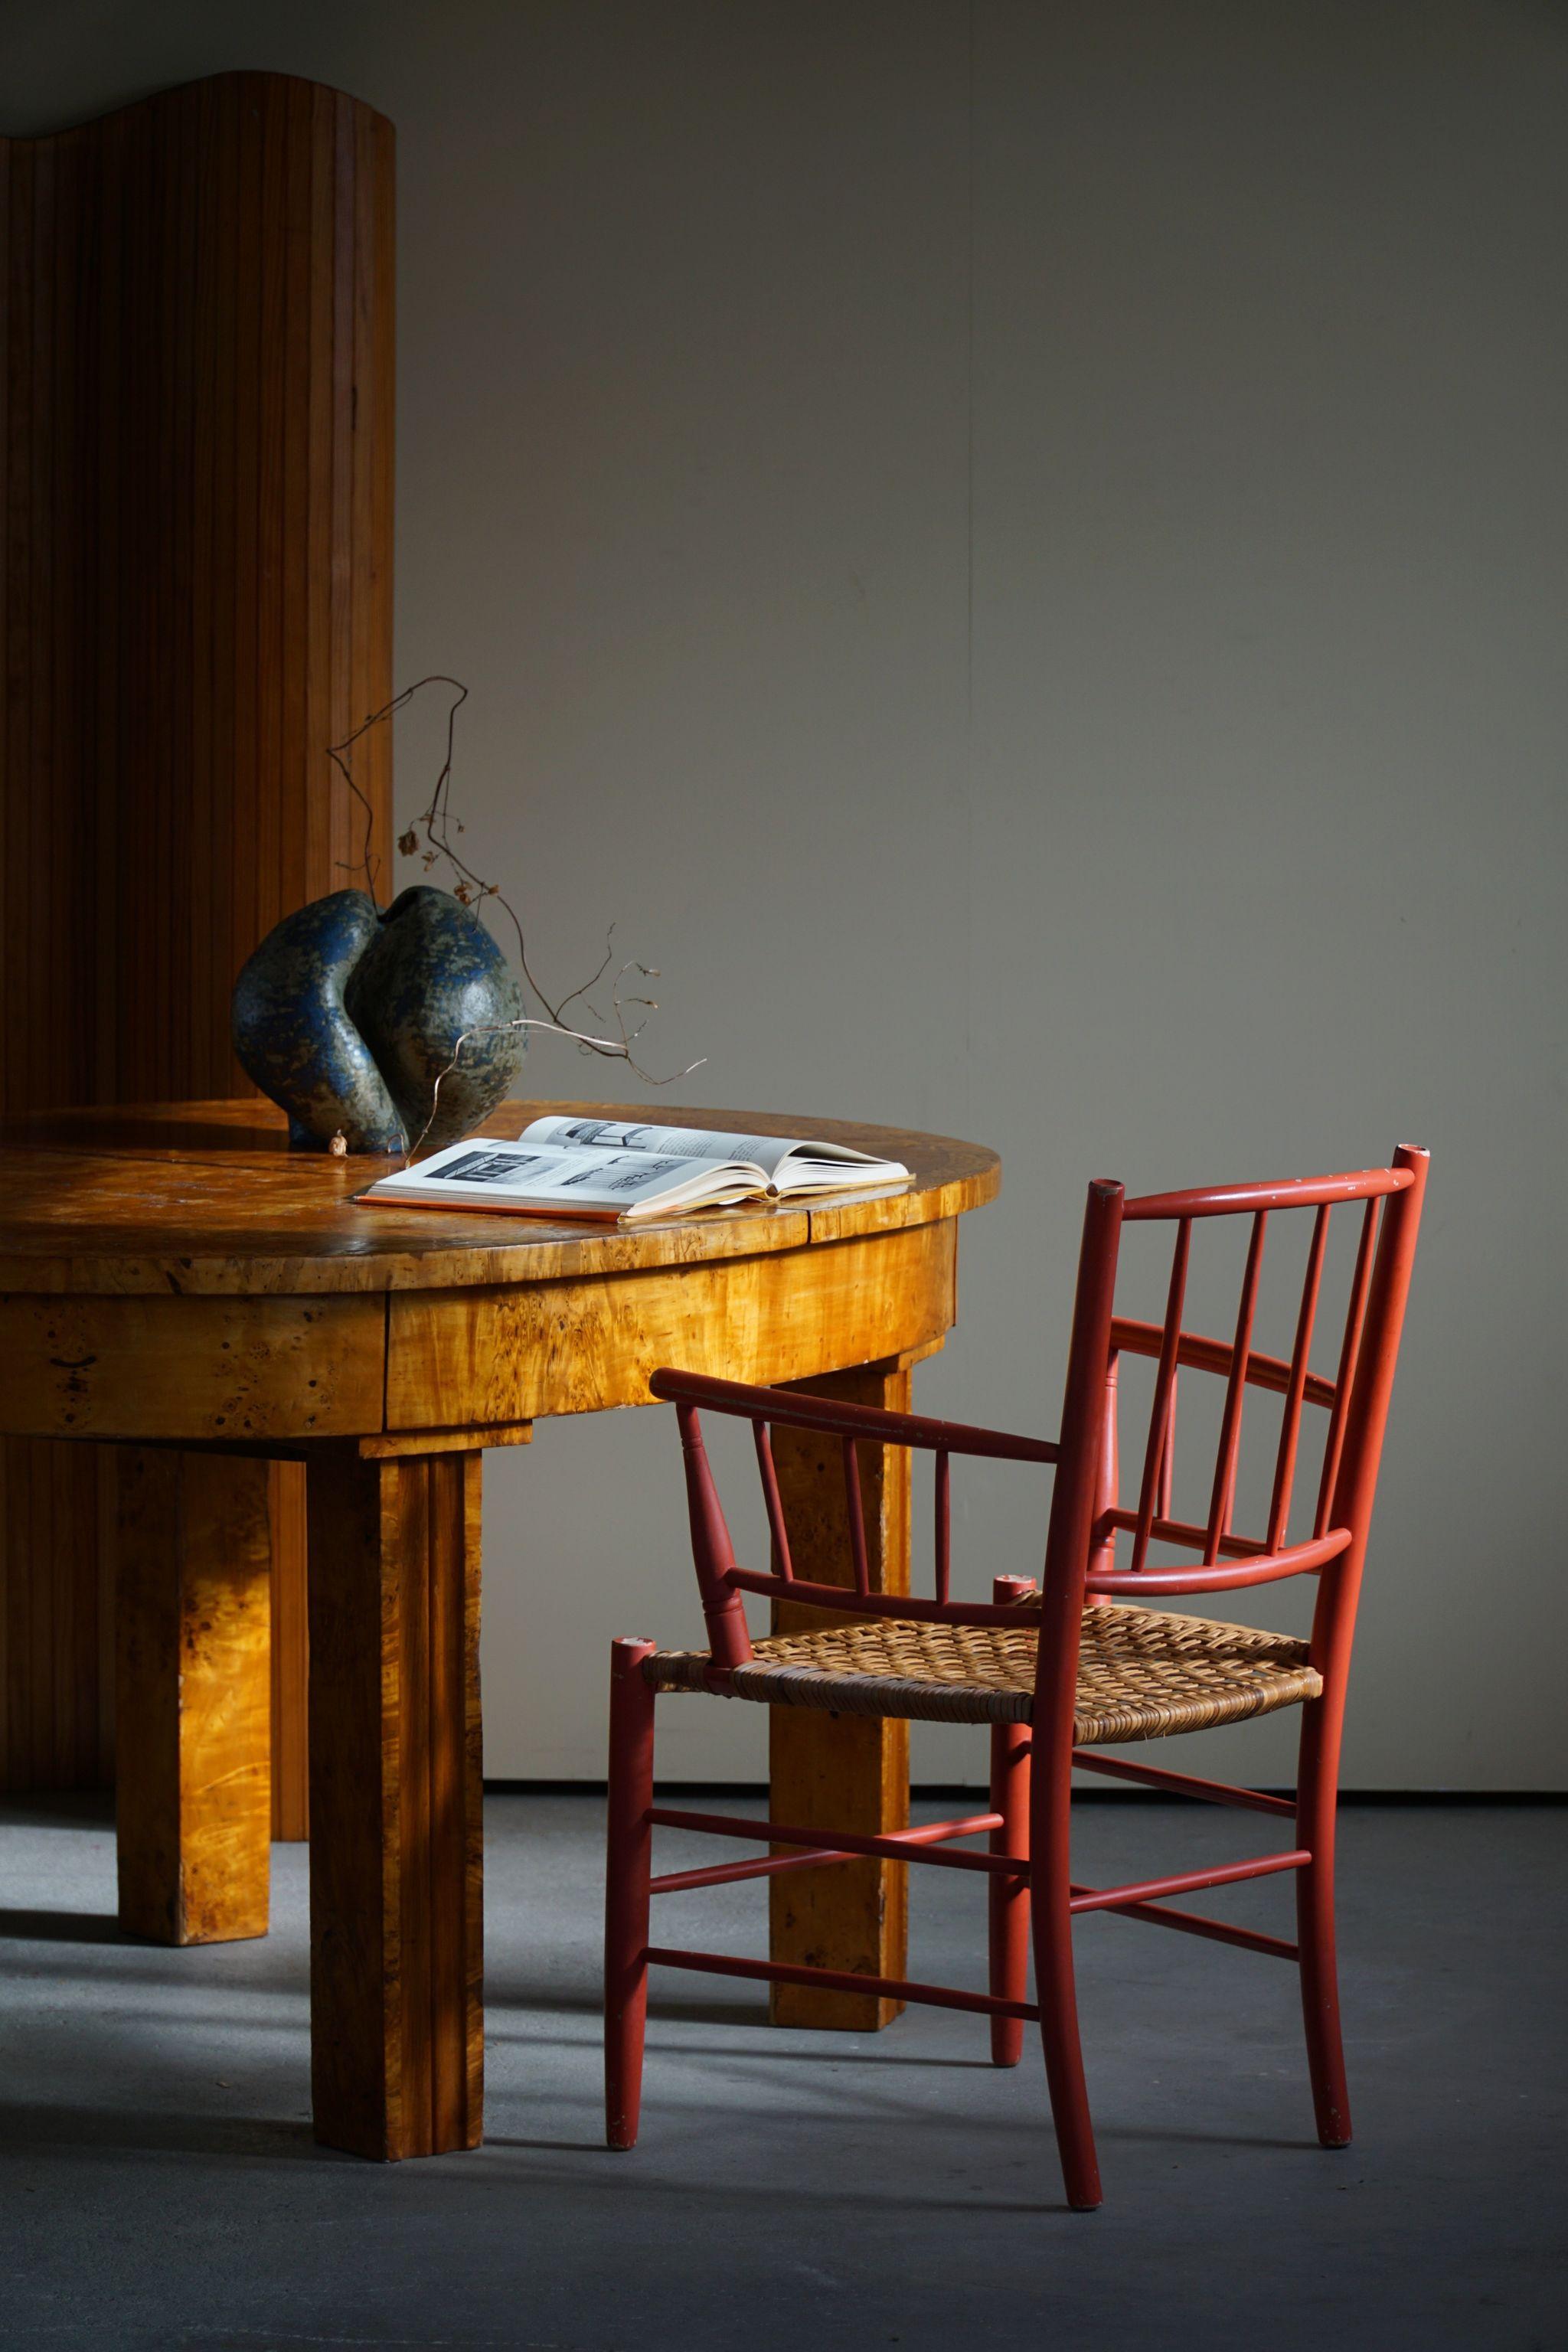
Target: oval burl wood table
{"points": [[176, 1283]]}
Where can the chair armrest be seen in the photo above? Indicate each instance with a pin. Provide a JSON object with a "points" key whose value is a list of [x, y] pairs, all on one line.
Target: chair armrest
{"points": [[787, 1410]]}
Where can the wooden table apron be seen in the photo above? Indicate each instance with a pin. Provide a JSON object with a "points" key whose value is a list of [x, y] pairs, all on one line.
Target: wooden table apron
{"points": [[174, 1282]]}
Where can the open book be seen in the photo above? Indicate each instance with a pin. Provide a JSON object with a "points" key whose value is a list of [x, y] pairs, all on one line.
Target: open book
{"points": [[615, 1171]]}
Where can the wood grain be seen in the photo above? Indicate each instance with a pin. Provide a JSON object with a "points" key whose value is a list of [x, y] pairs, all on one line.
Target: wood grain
{"points": [[845, 1772], [112, 1328], [221, 1371], [195, 1696], [396, 1856], [394, 1444], [206, 1198], [195, 461], [581, 1345]]}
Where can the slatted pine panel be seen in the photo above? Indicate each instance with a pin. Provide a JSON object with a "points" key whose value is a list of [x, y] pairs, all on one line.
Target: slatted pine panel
{"points": [[196, 309]]}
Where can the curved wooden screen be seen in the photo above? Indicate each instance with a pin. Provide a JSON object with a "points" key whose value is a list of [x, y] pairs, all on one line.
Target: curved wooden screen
{"points": [[196, 445]]}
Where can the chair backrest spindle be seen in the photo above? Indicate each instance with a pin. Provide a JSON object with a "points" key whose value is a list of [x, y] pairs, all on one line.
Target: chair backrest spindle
{"points": [[1156, 1487], [942, 1541], [1361, 1281], [856, 1513], [1168, 1447], [1290, 1416], [1222, 1500], [767, 1468]]}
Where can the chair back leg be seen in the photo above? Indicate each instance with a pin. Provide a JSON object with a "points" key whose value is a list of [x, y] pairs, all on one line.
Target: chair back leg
{"points": [[1317, 1809], [1051, 1831], [628, 1869]]}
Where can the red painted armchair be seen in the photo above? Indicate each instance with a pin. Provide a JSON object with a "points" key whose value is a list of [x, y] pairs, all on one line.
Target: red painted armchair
{"points": [[1091, 1656]]}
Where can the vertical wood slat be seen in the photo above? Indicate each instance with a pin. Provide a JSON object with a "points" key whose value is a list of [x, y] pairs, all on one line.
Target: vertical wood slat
{"points": [[855, 1517], [1290, 1415], [13, 340], [1160, 1423], [1168, 1450], [762, 1440], [943, 1532], [205, 985], [227, 651], [196, 478], [1345, 1377], [296, 767], [42, 568], [1222, 1497], [343, 420], [320, 667], [245, 460], [271, 785]]}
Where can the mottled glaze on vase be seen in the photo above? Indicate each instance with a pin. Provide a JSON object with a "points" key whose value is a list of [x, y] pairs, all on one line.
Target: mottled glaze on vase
{"points": [[432, 974], [345, 1016]]}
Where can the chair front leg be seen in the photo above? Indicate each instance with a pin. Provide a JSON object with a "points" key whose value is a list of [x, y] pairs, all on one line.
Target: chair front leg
{"points": [[628, 1869], [1008, 1899]]}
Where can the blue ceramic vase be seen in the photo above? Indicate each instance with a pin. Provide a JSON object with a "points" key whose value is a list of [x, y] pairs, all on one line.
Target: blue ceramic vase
{"points": [[346, 1016]]}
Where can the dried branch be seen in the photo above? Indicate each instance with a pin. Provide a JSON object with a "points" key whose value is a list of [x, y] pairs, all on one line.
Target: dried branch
{"points": [[366, 864], [500, 1028], [439, 828]]}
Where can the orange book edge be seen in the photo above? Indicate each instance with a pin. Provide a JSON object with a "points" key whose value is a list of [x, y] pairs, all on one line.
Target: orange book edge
{"points": [[554, 1216]]}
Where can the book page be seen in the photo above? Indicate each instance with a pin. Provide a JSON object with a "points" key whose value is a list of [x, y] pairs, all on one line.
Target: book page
{"points": [[600, 1180], [768, 1152], [763, 1151]]}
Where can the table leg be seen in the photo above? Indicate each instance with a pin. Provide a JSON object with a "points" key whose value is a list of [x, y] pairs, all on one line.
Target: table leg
{"points": [[839, 1772], [291, 1656], [396, 1858], [193, 1698]]}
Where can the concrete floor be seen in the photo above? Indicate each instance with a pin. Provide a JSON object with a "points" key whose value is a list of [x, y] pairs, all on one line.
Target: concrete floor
{"points": [[159, 2186]]}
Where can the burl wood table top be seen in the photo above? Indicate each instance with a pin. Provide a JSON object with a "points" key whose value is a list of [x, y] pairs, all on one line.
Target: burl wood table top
{"points": [[206, 1198]]}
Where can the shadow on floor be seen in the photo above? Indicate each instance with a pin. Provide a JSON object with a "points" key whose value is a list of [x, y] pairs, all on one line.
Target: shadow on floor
{"points": [[59, 1927], [75, 1809], [121, 2130]]}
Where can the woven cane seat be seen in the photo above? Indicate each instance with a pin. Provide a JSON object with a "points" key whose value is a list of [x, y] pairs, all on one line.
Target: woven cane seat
{"points": [[1143, 1673]]}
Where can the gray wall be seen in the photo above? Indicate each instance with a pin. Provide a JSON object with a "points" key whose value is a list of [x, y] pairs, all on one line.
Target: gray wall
{"points": [[1021, 556]]}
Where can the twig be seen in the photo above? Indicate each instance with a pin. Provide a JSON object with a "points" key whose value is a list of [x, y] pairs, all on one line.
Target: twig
{"points": [[439, 826], [499, 1028], [367, 865]]}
